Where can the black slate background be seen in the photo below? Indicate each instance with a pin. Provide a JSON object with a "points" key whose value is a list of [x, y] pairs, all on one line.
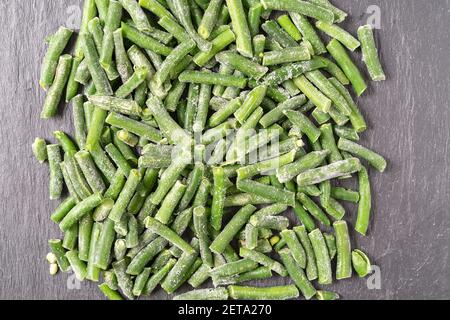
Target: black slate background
{"points": [[408, 116]]}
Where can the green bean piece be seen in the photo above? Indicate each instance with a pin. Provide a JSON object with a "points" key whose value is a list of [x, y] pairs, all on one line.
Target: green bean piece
{"points": [[141, 281], [254, 19], [204, 294], [361, 263], [138, 16], [56, 176], [71, 238], [337, 51], [259, 43], [104, 245], [83, 76], [334, 70], [92, 271], [276, 114], [319, 80], [245, 65], [266, 166], [251, 236], [240, 28], [263, 260], [203, 77], [99, 77], [286, 23], [109, 277], [191, 107], [168, 234], [167, 125], [57, 249], [170, 202], [340, 193], [84, 236], [57, 44], [123, 278], [40, 149], [132, 237], [302, 7], [139, 128], [174, 29], [79, 121], [127, 137], [292, 71], [182, 12], [268, 192], [297, 274], [168, 179], [304, 124], [231, 229], [309, 161], [263, 293], [218, 44], [275, 32], [110, 293], [328, 172], [326, 295], [158, 277], [157, 8], [370, 53], [311, 267], [80, 210], [308, 32], [343, 247], [78, 266], [66, 143], [234, 268], [209, 18], [143, 40], [251, 103], [256, 274], [118, 159], [123, 106], [377, 161], [145, 255], [174, 278], [92, 175], [200, 276], [193, 185], [201, 230], [346, 133], [356, 118], [271, 222], [292, 54], [328, 143], [137, 78], [339, 34], [218, 198], [313, 209], [365, 202], [64, 208], [295, 247], [55, 91], [322, 256], [172, 60], [125, 195], [72, 85]]}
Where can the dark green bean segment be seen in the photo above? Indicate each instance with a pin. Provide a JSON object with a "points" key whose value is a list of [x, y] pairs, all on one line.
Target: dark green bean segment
{"points": [[361, 263], [55, 91], [322, 256], [56, 176], [370, 53], [57, 44], [377, 161], [263, 293], [334, 170], [297, 274]]}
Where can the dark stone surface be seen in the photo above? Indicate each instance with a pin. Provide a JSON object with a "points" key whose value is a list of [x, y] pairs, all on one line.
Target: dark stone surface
{"points": [[408, 117]]}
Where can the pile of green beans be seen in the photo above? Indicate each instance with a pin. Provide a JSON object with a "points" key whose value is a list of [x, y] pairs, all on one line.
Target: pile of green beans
{"points": [[171, 99]]}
